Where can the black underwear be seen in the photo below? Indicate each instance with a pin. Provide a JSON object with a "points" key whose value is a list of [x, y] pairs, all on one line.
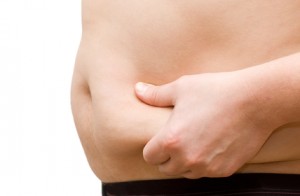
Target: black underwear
{"points": [[235, 185]]}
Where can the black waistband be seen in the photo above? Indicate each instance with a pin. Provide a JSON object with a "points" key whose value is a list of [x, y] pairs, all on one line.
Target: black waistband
{"points": [[238, 184]]}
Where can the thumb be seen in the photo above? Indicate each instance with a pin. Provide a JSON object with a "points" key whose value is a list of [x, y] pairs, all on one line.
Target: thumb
{"points": [[161, 96]]}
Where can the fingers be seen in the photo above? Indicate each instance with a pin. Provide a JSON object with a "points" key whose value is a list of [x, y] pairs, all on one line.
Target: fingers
{"points": [[161, 96], [156, 153], [173, 167], [153, 152]]}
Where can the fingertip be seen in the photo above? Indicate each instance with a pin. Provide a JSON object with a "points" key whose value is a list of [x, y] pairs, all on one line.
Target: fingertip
{"points": [[153, 153], [140, 88], [148, 155], [159, 96]]}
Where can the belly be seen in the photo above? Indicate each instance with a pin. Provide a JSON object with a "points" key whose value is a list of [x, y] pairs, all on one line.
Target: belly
{"points": [[124, 43], [179, 38]]}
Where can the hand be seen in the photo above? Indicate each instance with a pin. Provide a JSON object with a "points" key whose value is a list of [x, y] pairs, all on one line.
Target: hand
{"points": [[216, 125]]}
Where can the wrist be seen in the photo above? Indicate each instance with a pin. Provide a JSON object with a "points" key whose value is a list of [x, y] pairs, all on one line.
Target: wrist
{"points": [[260, 100]]}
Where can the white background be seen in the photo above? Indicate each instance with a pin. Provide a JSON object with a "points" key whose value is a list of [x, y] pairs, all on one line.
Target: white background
{"points": [[40, 152]]}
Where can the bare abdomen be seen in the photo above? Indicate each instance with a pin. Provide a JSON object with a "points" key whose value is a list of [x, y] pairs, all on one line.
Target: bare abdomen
{"points": [[157, 43]]}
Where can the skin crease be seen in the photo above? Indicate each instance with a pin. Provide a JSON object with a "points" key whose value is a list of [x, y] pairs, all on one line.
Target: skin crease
{"points": [[158, 42], [191, 145]]}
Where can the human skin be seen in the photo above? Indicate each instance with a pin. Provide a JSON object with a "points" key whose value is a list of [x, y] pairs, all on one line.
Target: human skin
{"points": [[157, 42], [248, 103]]}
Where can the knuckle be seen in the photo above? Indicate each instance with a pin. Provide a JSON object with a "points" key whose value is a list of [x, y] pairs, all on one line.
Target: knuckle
{"points": [[195, 174], [180, 81], [192, 175], [170, 171], [171, 143], [230, 170], [153, 95], [214, 171], [193, 161], [219, 171], [225, 173], [228, 173], [196, 161], [172, 140]]}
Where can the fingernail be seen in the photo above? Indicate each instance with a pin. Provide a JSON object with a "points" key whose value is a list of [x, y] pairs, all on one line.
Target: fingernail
{"points": [[141, 87]]}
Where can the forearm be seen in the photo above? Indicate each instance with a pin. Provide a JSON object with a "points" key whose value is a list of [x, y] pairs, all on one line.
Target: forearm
{"points": [[275, 86]]}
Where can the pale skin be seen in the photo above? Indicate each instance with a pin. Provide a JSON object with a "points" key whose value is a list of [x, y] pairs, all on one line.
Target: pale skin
{"points": [[247, 104], [218, 46]]}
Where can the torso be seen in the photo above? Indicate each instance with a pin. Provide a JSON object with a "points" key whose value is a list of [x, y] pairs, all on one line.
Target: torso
{"points": [[124, 42]]}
